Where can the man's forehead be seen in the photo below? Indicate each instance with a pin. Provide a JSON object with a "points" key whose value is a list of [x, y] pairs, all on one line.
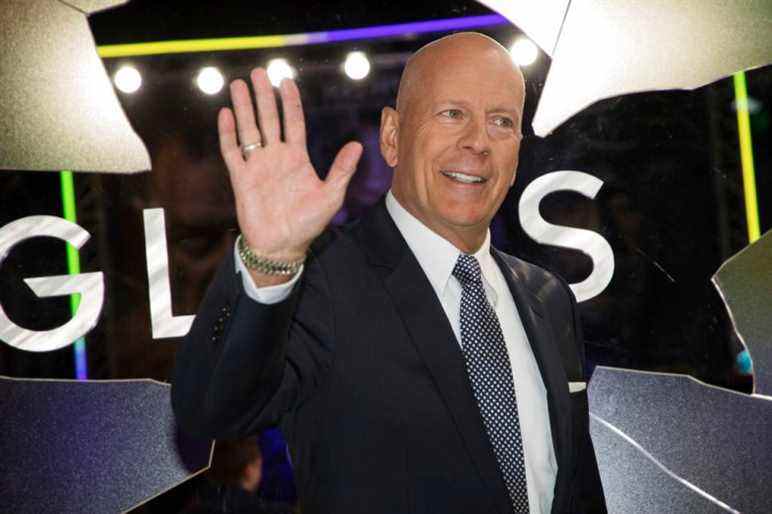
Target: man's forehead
{"points": [[459, 43], [461, 66], [464, 60], [473, 84]]}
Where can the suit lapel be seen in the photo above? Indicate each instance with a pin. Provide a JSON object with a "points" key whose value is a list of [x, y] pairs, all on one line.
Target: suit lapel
{"points": [[531, 311], [433, 338]]}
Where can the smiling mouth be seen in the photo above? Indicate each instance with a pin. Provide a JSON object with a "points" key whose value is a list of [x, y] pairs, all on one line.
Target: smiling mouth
{"points": [[463, 178]]}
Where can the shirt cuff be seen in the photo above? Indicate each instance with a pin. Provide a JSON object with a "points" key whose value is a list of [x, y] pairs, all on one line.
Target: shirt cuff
{"points": [[266, 295]]}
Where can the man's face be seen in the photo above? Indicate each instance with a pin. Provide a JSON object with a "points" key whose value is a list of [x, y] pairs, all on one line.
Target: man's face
{"points": [[457, 140]]}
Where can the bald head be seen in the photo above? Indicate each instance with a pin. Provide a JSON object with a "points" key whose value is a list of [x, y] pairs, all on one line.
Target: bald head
{"points": [[454, 138], [456, 49]]}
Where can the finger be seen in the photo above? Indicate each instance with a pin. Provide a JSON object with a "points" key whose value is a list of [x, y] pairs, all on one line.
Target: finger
{"points": [[245, 115], [267, 113], [344, 165], [294, 121], [229, 146]]}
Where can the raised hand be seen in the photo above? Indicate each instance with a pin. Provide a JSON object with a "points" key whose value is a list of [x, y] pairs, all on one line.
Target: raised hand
{"points": [[281, 203]]}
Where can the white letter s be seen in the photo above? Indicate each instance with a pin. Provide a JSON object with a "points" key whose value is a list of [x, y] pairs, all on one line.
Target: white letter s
{"points": [[586, 241]]}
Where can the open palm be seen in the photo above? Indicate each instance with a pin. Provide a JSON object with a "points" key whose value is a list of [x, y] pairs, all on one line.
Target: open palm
{"points": [[281, 203]]}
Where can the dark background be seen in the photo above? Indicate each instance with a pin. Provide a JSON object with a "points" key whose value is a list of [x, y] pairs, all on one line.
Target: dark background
{"points": [[671, 207]]}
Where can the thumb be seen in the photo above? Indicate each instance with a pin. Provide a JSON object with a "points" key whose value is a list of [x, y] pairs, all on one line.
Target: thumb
{"points": [[344, 165]]}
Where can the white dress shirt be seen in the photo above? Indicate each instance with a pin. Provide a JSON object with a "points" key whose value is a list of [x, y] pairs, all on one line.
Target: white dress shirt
{"points": [[437, 257]]}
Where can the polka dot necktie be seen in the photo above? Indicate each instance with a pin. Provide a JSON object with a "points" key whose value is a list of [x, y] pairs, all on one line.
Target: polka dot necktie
{"points": [[490, 374]]}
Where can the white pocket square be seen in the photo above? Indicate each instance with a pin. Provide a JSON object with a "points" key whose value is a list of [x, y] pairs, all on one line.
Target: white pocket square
{"points": [[575, 387]]}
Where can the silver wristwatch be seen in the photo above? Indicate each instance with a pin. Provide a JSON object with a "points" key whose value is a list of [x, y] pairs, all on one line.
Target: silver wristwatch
{"points": [[263, 264]]}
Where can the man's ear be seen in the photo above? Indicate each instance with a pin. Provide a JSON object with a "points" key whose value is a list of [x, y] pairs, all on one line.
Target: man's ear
{"points": [[389, 137]]}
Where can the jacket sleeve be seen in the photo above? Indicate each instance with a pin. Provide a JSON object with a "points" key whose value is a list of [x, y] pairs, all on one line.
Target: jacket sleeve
{"points": [[243, 364]]}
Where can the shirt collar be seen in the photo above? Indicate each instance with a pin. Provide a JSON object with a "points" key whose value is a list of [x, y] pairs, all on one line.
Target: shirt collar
{"points": [[436, 255]]}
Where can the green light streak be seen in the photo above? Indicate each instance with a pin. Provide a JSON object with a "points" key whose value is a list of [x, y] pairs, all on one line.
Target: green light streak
{"points": [[68, 208], [746, 157], [73, 266]]}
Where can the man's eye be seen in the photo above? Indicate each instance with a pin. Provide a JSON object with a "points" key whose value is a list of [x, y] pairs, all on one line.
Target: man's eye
{"points": [[503, 121], [452, 113]]}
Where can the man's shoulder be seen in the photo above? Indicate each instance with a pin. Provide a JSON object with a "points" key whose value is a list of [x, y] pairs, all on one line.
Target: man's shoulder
{"points": [[337, 252], [529, 271], [540, 280], [373, 236], [334, 238]]}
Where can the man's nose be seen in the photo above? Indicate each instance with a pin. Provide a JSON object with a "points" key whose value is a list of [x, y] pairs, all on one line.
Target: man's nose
{"points": [[475, 137]]}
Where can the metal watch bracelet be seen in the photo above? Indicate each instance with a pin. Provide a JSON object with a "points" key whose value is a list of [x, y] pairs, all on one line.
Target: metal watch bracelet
{"points": [[263, 264]]}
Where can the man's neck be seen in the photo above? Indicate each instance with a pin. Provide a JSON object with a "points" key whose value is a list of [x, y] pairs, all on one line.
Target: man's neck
{"points": [[467, 240]]}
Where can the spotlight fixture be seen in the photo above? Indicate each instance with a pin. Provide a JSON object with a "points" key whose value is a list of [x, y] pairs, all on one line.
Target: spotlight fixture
{"points": [[279, 69], [210, 80], [357, 65], [524, 51], [127, 79]]}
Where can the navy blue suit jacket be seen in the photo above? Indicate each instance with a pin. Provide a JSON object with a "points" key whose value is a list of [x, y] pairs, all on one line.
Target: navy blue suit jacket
{"points": [[361, 370]]}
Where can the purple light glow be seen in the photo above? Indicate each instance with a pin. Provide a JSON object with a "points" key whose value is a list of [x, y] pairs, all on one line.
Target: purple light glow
{"points": [[402, 29]]}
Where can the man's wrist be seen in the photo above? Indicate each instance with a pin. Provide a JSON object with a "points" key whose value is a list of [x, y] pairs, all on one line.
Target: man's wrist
{"points": [[264, 264], [264, 280], [265, 289]]}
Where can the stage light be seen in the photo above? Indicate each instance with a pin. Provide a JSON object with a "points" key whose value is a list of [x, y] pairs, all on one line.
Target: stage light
{"points": [[752, 105], [127, 79], [357, 65], [279, 69], [210, 80], [524, 52]]}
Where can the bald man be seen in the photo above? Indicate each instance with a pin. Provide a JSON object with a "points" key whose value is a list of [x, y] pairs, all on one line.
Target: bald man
{"points": [[412, 367]]}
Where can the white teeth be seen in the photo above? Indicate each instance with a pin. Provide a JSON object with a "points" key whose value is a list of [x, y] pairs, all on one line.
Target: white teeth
{"points": [[463, 177]]}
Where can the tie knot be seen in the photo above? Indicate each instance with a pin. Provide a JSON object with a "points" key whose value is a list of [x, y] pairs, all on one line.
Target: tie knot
{"points": [[467, 270]]}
